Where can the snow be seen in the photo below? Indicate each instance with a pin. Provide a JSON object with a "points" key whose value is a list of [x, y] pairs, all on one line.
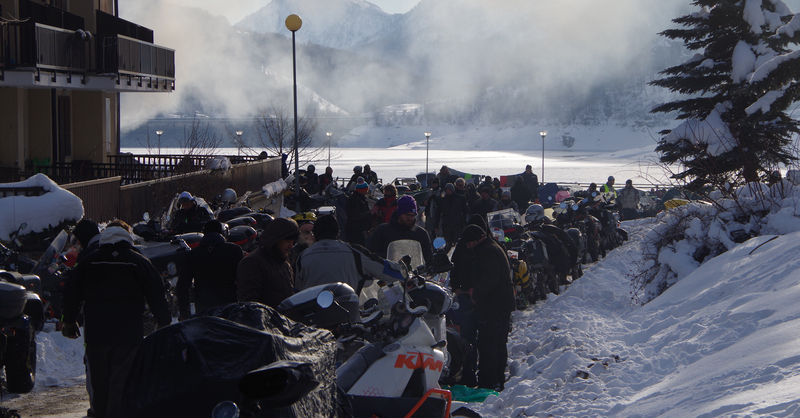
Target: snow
{"points": [[753, 15], [712, 131], [38, 212], [742, 62]]}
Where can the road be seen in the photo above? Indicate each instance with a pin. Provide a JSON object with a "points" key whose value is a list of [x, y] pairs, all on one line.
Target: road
{"points": [[49, 402]]}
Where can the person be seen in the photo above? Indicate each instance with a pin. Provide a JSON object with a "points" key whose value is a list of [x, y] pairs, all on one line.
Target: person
{"points": [[431, 205], [359, 216], [461, 187], [112, 284], [532, 181], [305, 222], [312, 186], [191, 216], [521, 194], [497, 189], [402, 226], [326, 179], [505, 202], [211, 268], [369, 176], [265, 275], [385, 207], [87, 235], [485, 204], [354, 178], [472, 194], [487, 182], [493, 297], [445, 176], [330, 260], [592, 189], [452, 214], [629, 201], [609, 187]]}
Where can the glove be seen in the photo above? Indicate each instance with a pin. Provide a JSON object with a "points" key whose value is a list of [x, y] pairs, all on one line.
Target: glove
{"points": [[71, 330]]}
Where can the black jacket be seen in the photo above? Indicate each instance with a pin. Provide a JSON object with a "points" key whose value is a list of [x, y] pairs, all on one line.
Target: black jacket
{"points": [[521, 195], [211, 266], [386, 233], [359, 217], [191, 220], [461, 276], [113, 283], [482, 207], [532, 181], [491, 279], [452, 212]]}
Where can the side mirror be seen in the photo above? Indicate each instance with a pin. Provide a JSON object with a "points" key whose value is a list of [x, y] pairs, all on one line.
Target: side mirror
{"points": [[325, 299], [439, 243], [146, 216], [23, 226]]}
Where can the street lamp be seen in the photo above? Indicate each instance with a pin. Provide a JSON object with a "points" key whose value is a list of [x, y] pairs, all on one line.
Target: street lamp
{"points": [[239, 134], [159, 140], [293, 23], [543, 134], [330, 134], [427, 142]]}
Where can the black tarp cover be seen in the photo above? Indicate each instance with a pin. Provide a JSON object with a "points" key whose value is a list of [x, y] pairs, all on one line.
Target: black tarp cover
{"points": [[185, 369]]}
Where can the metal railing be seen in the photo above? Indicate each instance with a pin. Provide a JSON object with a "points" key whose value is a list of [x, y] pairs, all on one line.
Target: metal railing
{"points": [[124, 55]]}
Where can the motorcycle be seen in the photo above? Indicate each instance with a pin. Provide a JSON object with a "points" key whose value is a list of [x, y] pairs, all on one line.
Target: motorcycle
{"points": [[573, 213], [21, 314], [10, 258]]}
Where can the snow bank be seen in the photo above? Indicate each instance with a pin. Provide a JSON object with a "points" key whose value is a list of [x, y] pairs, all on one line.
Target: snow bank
{"points": [[40, 212]]}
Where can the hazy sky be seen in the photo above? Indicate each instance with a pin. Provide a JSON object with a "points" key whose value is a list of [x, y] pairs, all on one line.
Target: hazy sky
{"points": [[236, 10]]}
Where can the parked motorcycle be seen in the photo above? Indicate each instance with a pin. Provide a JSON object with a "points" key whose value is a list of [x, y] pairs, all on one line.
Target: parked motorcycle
{"points": [[21, 314]]}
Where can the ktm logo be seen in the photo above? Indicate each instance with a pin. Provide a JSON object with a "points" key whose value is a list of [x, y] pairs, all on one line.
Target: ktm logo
{"points": [[418, 361]]}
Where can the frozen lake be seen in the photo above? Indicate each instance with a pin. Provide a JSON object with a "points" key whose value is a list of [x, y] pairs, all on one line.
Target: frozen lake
{"points": [[559, 166]]}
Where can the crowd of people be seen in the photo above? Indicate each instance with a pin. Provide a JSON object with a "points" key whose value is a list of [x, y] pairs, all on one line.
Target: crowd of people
{"points": [[300, 252]]}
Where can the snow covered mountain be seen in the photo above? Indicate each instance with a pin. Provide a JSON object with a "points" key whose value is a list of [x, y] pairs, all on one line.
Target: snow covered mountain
{"points": [[339, 24]]}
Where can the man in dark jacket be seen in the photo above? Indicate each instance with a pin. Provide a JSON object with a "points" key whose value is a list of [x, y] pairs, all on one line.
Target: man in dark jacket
{"points": [[521, 194], [493, 297], [532, 181], [313, 180], [452, 213], [485, 204], [402, 226], [370, 176], [359, 217], [211, 267], [112, 283], [265, 275], [431, 205], [191, 216]]}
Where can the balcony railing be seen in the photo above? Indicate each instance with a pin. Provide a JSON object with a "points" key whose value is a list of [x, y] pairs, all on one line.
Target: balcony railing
{"points": [[124, 55]]}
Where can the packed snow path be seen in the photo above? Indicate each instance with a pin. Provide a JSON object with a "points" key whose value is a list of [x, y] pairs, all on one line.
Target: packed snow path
{"points": [[721, 342]]}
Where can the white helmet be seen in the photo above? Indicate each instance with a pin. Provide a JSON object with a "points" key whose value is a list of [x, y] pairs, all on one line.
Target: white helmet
{"points": [[534, 213], [229, 196]]}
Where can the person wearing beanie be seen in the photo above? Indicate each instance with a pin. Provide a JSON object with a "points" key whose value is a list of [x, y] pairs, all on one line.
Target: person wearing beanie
{"points": [[265, 275], [111, 286], [354, 179], [359, 216], [505, 202], [485, 204], [191, 216], [330, 260], [521, 194], [403, 225], [211, 269], [452, 213], [492, 295]]}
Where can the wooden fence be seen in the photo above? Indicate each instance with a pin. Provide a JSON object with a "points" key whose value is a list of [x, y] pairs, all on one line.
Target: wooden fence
{"points": [[104, 199]]}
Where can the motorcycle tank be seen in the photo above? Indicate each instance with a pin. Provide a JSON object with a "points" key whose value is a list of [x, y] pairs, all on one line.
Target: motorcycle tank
{"points": [[231, 213], [302, 306]]}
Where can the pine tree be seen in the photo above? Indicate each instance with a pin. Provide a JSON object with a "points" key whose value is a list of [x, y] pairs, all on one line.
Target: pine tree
{"points": [[739, 85]]}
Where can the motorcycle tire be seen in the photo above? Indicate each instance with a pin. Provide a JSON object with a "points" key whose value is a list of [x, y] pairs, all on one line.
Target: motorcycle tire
{"points": [[20, 361], [552, 281], [593, 248]]}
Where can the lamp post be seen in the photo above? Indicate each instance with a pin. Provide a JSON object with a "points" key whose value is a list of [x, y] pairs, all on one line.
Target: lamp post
{"points": [[543, 134], [293, 23], [427, 142], [330, 134], [239, 150], [159, 140]]}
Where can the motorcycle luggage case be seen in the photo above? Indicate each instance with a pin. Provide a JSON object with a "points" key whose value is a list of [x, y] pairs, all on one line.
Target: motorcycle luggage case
{"points": [[302, 306], [12, 300], [536, 253], [326, 210], [30, 282]]}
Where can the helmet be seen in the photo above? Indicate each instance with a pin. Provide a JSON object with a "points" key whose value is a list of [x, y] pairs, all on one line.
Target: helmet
{"points": [[228, 196], [534, 213], [357, 169], [305, 217]]}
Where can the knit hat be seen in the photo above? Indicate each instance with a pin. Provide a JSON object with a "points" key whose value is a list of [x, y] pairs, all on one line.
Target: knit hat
{"points": [[406, 204], [278, 230], [450, 186], [84, 231], [326, 227], [472, 233], [185, 197], [506, 193], [212, 226], [361, 185]]}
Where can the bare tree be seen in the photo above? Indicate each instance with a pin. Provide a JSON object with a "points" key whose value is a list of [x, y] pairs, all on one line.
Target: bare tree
{"points": [[274, 132]]}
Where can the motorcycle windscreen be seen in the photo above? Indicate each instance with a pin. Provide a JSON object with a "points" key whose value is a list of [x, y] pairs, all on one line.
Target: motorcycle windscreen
{"points": [[399, 249]]}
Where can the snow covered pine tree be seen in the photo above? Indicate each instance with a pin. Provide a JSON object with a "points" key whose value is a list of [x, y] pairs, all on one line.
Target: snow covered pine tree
{"points": [[736, 127]]}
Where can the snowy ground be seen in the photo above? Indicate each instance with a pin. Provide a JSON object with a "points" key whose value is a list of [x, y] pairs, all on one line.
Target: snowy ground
{"points": [[721, 342]]}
